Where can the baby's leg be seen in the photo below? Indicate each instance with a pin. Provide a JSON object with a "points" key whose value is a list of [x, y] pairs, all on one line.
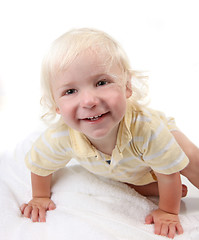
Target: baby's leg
{"points": [[192, 152], [151, 189]]}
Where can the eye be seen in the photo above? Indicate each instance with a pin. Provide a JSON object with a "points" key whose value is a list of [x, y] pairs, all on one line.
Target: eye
{"points": [[102, 82], [70, 91]]}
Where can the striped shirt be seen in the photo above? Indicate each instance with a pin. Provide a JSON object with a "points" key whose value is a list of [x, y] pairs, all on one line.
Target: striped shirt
{"points": [[144, 145]]}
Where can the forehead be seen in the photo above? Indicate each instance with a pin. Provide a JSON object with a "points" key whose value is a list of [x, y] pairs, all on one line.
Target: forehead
{"points": [[90, 63]]}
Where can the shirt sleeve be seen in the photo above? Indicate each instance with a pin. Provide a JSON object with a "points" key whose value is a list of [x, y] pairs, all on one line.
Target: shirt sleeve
{"points": [[160, 150], [50, 152]]}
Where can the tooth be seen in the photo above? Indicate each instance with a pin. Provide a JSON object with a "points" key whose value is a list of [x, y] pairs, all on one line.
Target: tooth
{"points": [[94, 117]]}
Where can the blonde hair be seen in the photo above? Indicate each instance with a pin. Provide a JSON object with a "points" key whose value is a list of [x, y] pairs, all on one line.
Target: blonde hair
{"points": [[64, 51]]}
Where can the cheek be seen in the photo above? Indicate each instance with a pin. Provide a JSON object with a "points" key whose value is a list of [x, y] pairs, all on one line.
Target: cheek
{"points": [[118, 102], [64, 109], [121, 108], [69, 115]]}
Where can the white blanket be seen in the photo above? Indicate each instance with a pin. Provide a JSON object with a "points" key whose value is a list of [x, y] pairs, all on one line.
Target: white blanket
{"points": [[88, 207]]}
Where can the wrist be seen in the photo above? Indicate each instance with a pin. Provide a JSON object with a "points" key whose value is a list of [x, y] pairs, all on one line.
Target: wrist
{"points": [[44, 195], [170, 211], [41, 186], [170, 206], [35, 196]]}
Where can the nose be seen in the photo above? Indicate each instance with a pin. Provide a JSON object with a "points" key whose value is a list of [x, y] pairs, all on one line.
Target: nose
{"points": [[88, 99]]}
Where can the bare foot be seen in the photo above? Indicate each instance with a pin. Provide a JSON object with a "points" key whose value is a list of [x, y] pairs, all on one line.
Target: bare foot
{"points": [[151, 189]]}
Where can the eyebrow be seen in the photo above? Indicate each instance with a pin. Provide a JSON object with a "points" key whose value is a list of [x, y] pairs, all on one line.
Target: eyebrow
{"points": [[63, 86], [67, 84]]}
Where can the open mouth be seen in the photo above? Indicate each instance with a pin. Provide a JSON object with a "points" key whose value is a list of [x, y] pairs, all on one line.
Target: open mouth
{"points": [[95, 118]]}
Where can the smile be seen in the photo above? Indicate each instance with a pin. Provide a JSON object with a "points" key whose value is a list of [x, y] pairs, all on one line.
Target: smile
{"points": [[94, 118]]}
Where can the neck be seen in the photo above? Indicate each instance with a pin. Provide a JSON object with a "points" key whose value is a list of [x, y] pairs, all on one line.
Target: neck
{"points": [[107, 144], [106, 148]]}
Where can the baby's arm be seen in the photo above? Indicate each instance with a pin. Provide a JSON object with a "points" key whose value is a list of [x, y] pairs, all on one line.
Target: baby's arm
{"points": [[165, 217], [41, 202]]}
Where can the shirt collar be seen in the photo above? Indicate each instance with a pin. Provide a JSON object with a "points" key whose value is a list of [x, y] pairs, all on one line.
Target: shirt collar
{"points": [[124, 133], [81, 145]]}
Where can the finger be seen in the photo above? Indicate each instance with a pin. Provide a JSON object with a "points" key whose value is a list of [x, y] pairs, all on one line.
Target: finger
{"points": [[158, 226], [149, 219], [179, 228], [172, 231], [42, 215], [164, 230], [52, 206], [27, 211], [35, 214], [22, 207]]}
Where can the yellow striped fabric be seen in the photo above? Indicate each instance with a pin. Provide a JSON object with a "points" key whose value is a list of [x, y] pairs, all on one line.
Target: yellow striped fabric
{"points": [[144, 144]]}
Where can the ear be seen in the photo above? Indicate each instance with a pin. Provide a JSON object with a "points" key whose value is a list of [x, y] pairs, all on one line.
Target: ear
{"points": [[57, 110], [128, 89]]}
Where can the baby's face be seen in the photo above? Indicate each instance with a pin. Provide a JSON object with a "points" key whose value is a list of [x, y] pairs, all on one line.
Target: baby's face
{"points": [[91, 97]]}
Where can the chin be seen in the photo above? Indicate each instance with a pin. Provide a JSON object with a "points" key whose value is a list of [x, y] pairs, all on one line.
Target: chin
{"points": [[99, 135]]}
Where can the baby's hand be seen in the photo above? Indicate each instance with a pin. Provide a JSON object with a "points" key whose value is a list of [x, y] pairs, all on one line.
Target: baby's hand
{"points": [[166, 224], [36, 209]]}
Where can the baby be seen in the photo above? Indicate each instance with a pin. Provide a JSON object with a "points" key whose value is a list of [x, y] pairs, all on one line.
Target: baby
{"points": [[104, 124]]}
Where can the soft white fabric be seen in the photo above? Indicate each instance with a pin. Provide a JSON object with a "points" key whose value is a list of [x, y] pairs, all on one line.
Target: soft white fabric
{"points": [[88, 207]]}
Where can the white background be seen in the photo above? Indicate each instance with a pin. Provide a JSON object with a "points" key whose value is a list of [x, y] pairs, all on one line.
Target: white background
{"points": [[158, 36]]}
